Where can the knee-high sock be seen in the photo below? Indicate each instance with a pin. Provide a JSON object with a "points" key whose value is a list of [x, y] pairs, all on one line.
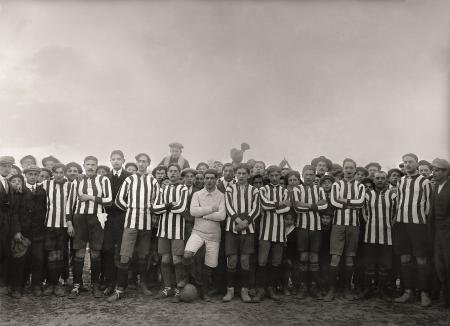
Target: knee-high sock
{"points": [[231, 278], [348, 273], [314, 271], [95, 270], [332, 275], [110, 267], [408, 275], [274, 276], [303, 267], [261, 276], [142, 267], [122, 276], [245, 278], [167, 274], [77, 270], [206, 278], [423, 277], [179, 272], [52, 272]]}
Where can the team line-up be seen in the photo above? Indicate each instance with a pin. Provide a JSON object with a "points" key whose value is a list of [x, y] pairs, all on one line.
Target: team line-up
{"points": [[262, 231]]}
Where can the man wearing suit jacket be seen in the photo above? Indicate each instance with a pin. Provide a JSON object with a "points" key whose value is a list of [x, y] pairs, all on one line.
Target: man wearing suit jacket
{"points": [[6, 216], [440, 222], [115, 221]]}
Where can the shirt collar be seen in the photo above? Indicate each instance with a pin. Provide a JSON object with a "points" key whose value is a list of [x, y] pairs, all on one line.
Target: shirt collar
{"points": [[118, 172], [30, 186]]}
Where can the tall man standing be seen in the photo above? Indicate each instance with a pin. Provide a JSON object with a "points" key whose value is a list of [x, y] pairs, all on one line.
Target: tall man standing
{"points": [[410, 230], [114, 223], [87, 200], [136, 196]]}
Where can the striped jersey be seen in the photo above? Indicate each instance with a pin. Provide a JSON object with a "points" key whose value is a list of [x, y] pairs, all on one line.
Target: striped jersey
{"points": [[413, 199], [57, 195], [136, 196], [352, 191], [307, 218], [272, 219], [380, 210], [171, 223], [241, 201], [98, 186]]}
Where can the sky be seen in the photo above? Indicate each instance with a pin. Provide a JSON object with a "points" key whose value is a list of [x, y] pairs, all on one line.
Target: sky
{"points": [[294, 79]]}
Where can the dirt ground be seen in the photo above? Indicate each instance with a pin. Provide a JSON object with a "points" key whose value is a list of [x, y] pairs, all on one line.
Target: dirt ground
{"points": [[136, 309]]}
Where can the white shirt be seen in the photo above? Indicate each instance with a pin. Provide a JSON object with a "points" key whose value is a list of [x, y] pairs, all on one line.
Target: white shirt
{"points": [[31, 187], [118, 173], [4, 181], [441, 186]]}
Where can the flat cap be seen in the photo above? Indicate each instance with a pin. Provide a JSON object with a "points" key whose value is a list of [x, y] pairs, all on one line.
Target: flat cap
{"points": [[28, 157], [376, 164], [316, 161], [49, 158], [6, 160], [176, 145], [32, 168], [273, 168], [188, 170], [441, 164]]}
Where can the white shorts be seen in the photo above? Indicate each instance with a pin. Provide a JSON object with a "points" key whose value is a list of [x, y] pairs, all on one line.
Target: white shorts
{"points": [[195, 242]]}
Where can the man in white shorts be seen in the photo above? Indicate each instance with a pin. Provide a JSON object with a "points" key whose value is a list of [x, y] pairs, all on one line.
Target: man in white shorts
{"points": [[208, 208]]}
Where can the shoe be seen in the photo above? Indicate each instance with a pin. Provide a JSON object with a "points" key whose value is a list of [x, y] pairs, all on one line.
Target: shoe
{"points": [[259, 296], [271, 294], [252, 292], [302, 292], [60, 291], [364, 294], [425, 300], [16, 294], [37, 291], [4, 290], [229, 296], [164, 293], [118, 294], [96, 291], [176, 297], [75, 291], [108, 291], [206, 297], [348, 295], [244, 296], [286, 291], [314, 291], [48, 290], [144, 289], [182, 284], [404, 298], [329, 296]]}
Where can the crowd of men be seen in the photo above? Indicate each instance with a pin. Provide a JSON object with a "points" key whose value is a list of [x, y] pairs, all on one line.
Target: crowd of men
{"points": [[262, 231]]}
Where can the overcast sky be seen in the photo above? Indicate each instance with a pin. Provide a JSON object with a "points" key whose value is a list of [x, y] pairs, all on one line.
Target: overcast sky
{"points": [[295, 79]]}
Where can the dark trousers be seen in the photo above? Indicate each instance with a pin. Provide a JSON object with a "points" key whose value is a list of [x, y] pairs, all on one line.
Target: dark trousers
{"points": [[442, 257], [32, 261]]}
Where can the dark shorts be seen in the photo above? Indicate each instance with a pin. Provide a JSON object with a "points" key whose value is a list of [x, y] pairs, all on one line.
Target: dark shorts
{"points": [[272, 249], [239, 244], [308, 241], [411, 239], [56, 239], [113, 231], [87, 229], [377, 256], [135, 241], [344, 240], [170, 246]]}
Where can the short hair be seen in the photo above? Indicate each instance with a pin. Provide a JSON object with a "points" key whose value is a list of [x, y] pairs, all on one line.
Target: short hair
{"points": [[424, 162], [308, 168], [326, 177], [104, 167], [377, 165], [90, 158], [381, 172], [74, 165], [348, 160], [256, 162], [175, 165], [211, 171], [158, 168], [131, 164], [273, 168], [48, 171], [244, 166], [200, 164], [368, 180], [19, 176], [256, 176], [414, 156], [394, 170], [226, 165], [143, 154], [363, 170], [293, 173], [117, 152], [59, 166]]}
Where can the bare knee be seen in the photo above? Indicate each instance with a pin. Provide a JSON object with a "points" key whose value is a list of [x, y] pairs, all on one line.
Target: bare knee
{"points": [[335, 260], [245, 262], [313, 257], [304, 257], [232, 262], [405, 259], [348, 261], [95, 254], [166, 259], [421, 260], [79, 254], [177, 259]]}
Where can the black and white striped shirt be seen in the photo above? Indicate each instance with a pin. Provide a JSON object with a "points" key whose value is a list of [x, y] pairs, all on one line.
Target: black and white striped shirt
{"points": [[136, 196], [272, 219], [171, 223], [413, 199], [309, 219], [242, 202], [353, 192], [98, 186], [380, 210], [57, 195]]}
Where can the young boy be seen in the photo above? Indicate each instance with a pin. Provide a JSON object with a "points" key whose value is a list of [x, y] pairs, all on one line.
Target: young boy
{"points": [[274, 203], [170, 205], [56, 228], [309, 200], [242, 205], [136, 196]]}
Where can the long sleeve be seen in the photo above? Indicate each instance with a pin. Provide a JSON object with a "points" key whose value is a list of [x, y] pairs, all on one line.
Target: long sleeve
{"points": [[284, 198], [300, 207], [180, 206], [106, 197], [231, 212], [335, 195], [122, 196], [71, 201], [159, 207], [427, 193], [359, 201], [219, 215], [266, 204], [196, 209], [322, 197], [256, 206]]}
